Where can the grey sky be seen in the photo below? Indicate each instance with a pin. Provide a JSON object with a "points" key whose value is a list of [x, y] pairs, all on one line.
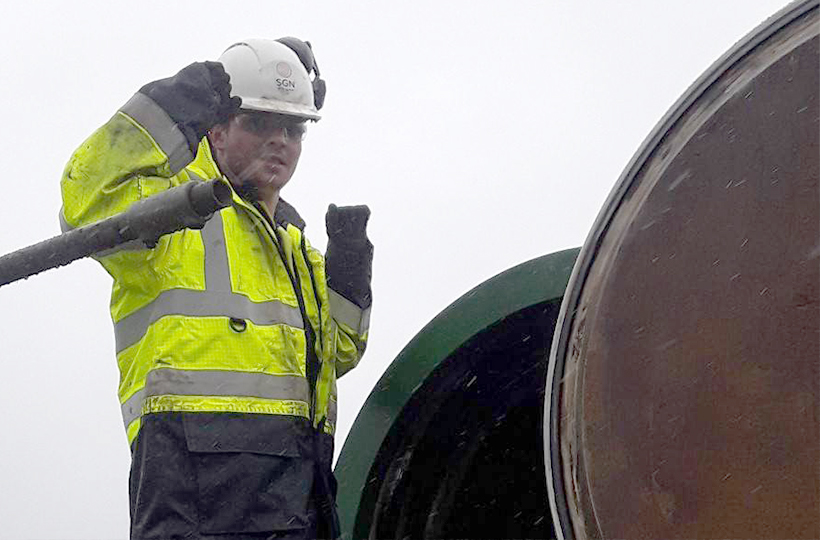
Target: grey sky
{"points": [[481, 134]]}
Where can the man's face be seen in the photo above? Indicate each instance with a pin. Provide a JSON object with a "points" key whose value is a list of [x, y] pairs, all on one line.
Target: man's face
{"points": [[259, 148]]}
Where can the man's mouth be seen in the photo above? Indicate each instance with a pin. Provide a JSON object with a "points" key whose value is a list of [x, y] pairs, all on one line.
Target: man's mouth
{"points": [[274, 160]]}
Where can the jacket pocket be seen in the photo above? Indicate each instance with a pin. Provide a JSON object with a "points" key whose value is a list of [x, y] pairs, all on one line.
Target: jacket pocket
{"points": [[254, 473], [275, 435]]}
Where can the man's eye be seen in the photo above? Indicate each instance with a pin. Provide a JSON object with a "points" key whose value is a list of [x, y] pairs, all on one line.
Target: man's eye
{"points": [[256, 124], [295, 132]]}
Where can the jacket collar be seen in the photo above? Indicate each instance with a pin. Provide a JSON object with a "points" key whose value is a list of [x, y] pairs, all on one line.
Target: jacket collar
{"points": [[204, 165]]}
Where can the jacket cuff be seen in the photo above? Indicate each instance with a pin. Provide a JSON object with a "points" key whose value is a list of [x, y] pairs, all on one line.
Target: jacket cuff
{"points": [[161, 128], [346, 312]]}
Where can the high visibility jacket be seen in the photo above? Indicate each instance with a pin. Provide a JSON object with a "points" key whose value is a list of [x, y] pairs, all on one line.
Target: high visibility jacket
{"points": [[211, 320]]}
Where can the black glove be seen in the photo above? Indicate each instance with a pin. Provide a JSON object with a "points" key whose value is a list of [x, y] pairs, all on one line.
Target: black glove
{"points": [[349, 256], [197, 98]]}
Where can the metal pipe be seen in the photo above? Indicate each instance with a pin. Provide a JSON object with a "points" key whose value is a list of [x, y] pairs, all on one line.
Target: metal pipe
{"points": [[190, 205]]}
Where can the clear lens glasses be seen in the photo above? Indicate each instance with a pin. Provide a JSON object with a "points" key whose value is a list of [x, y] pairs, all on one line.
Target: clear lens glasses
{"points": [[264, 124]]}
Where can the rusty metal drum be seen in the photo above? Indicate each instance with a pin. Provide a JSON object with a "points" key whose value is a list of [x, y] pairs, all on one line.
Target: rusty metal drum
{"points": [[684, 375]]}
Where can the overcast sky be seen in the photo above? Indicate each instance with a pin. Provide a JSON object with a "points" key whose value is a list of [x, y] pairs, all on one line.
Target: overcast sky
{"points": [[481, 135]]}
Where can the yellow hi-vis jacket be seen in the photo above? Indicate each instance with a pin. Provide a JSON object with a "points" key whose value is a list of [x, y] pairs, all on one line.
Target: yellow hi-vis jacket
{"points": [[208, 320]]}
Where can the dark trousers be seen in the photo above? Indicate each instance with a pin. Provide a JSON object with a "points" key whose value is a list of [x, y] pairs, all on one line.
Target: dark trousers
{"points": [[301, 534], [223, 476]]}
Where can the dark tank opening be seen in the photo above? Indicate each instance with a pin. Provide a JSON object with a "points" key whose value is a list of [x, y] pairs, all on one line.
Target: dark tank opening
{"points": [[465, 459]]}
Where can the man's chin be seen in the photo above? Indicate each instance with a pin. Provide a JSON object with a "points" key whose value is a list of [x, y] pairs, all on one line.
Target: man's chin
{"points": [[269, 182]]}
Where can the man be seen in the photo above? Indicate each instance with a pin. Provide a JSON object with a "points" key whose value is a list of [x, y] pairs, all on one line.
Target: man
{"points": [[230, 338]]}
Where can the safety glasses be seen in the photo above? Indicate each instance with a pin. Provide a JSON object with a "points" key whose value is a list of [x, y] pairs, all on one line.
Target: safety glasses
{"points": [[264, 124]]}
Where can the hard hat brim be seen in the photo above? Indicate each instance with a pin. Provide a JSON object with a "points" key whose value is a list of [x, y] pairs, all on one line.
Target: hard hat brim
{"points": [[280, 107]]}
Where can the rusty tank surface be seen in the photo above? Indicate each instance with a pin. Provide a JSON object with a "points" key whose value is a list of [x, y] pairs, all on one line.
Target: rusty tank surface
{"points": [[685, 368]]}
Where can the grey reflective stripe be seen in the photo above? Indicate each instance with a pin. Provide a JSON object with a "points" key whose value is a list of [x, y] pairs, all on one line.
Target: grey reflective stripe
{"points": [[217, 269], [332, 411], [132, 408], [191, 303], [365, 324], [225, 383], [178, 382], [163, 130], [345, 311], [64, 226]]}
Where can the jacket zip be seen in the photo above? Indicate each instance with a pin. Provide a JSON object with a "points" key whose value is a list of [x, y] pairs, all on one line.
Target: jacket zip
{"points": [[315, 289], [312, 362], [320, 426], [326, 502]]}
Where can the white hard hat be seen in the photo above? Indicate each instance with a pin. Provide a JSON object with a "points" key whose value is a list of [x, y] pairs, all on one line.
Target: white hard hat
{"points": [[274, 76]]}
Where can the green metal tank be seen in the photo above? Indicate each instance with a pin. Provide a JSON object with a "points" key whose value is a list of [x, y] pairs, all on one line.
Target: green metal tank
{"points": [[448, 444]]}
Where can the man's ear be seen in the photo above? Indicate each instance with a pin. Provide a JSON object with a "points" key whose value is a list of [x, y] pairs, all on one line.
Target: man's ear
{"points": [[218, 135]]}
